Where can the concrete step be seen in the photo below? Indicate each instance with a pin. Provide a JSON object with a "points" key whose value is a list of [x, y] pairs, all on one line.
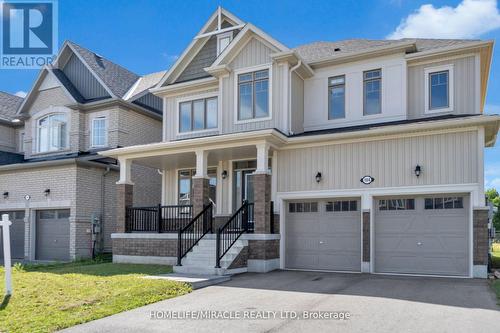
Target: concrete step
{"points": [[208, 270], [196, 281]]}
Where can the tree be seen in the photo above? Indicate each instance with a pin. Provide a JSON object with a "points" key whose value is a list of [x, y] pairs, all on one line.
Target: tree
{"points": [[494, 198]]}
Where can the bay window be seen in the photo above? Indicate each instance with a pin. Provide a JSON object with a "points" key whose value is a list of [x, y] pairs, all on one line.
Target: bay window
{"points": [[52, 133]]}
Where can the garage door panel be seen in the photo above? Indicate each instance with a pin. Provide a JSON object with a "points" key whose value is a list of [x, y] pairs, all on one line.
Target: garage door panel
{"points": [[52, 235], [324, 239], [422, 239], [16, 235]]}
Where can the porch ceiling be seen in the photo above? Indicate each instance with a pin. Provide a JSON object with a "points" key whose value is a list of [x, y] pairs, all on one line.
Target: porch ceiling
{"points": [[188, 159]]}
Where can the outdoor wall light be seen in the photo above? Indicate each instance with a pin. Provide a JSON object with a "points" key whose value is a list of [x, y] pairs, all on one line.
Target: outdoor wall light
{"points": [[47, 192], [224, 174], [318, 177], [418, 170], [5, 195]]}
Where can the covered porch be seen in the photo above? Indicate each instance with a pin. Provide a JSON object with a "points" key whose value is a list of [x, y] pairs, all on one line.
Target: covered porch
{"points": [[223, 185]]}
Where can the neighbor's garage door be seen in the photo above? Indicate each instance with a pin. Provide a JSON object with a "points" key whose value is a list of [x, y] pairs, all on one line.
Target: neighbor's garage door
{"points": [[16, 235], [323, 235], [52, 235], [422, 235]]}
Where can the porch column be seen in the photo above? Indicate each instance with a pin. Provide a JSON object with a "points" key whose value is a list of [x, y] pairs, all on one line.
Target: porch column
{"points": [[262, 191], [201, 190], [125, 190]]}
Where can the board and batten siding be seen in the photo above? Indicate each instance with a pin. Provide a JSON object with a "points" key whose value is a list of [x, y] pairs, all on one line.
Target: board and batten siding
{"points": [[83, 80], [464, 87], [253, 54], [450, 158], [297, 106]]}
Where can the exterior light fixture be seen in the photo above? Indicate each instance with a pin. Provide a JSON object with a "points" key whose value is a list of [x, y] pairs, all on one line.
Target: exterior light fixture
{"points": [[15, 121], [5, 195], [47, 192], [318, 177], [418, 170], [224, 174]]}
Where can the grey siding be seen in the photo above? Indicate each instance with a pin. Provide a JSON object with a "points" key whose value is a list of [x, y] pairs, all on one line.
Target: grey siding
{"points": [[465, 99], [204, 58], [7, 138], [297, 106], [83, 79], [151, 101], [450, 158]]}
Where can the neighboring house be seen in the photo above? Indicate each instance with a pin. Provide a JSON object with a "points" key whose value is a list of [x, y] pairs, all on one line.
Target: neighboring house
{"points": [[60, 194], [370, 153]]}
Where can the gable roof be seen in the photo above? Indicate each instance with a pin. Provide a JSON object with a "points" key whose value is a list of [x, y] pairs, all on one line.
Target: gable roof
{"points": [[117, 79], [318, 51], [9, 104], [143, 84]]}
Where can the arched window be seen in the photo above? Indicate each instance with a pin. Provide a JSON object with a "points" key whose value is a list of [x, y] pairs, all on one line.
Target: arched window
{"points": [[52, 133]]}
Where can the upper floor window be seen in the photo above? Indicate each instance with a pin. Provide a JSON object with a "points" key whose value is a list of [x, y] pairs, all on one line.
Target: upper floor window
{"points": [[21, 141], [99, 132], [438, 90], [253, 95], [52, 133], [197, 115], [223, 41], [336, 97], [372, 82]]}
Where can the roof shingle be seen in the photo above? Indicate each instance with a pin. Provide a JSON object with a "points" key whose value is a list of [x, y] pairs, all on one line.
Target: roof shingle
{"points": [[9, 104]]}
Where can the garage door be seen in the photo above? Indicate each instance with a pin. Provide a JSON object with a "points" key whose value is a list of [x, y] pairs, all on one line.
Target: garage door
{"points": [[16, 235], [422, 235], [52, 235], [323, 235]]}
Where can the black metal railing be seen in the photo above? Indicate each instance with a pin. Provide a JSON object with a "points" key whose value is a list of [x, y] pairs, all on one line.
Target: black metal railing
{"points": [[157, 218], [229, 233], [191, 234], [251, 219]]}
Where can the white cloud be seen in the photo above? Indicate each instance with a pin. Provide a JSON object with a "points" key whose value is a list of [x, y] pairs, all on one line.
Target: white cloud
{"points": [[493, 183], [470, 19], [170, 57], [21, 93]]}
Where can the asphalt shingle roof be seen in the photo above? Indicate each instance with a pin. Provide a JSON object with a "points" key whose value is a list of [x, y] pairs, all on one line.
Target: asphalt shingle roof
{"points": [[318, 51], [117, 78], [147, 81], [9, 104]]}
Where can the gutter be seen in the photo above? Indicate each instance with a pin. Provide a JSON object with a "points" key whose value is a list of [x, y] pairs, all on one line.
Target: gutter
{"points": [[61, 162], [289, 106], [189, 145]]}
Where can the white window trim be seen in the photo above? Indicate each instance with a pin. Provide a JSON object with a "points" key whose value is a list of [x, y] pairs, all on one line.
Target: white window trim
{"points": [[269, 67], [221, 36], [50, 112], [193, 98], [427, 72], [21, 137], [92, 144]]}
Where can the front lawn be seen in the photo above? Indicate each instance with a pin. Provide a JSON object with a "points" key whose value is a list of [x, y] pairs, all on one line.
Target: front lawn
{"points": [[49, 298], [495, 263]]}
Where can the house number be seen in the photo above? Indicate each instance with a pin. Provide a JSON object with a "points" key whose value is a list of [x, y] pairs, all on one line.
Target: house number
{"points": [[367, 180]]}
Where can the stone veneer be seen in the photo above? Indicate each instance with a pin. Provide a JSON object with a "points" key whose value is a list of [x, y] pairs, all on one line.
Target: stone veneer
{"points": [[262, 203], [125, 198], [201, 194], [481, 242], [366, 236]]}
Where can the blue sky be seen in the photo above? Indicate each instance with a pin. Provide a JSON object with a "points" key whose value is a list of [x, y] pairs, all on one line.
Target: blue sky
{"points": [[148, 35]]}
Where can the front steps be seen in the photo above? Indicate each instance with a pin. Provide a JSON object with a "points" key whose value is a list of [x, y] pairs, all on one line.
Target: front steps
{"points": [[201, 259]]}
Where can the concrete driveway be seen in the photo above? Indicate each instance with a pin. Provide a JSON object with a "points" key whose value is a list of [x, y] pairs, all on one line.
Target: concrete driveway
{"points": [[375, 303]]}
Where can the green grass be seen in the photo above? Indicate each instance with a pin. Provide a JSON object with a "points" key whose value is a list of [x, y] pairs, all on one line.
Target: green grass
{"points": [[47, 298], [495, 263]]}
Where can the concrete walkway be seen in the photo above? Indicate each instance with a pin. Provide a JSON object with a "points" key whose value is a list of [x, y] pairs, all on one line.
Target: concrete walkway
{"points": [[374, 303]]}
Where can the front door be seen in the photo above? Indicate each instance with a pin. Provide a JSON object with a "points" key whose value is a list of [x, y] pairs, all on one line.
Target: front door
{"points": [[242, 187]]}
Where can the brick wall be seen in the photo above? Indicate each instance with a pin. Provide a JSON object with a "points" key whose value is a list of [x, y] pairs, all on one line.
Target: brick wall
{"points": [[366, 236], [145, 247], [481, 243], [264, 249], [262, 203]]}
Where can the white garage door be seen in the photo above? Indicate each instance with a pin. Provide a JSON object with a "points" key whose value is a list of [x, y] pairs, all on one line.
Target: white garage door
{"points": [[422, 235], [323, 235]]}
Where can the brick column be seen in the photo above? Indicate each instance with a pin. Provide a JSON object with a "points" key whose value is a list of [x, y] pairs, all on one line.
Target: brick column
{"points": [[125, 199], [201, 194], [366, 236], [262, 203], [480, 229]]}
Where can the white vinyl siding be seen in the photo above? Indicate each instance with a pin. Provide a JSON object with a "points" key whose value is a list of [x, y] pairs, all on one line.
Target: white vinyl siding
{"points": [[450, 158]]}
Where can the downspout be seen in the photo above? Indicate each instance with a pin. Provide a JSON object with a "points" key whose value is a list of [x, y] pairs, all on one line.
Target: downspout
{"points": [[103, 204], [290, 95]]}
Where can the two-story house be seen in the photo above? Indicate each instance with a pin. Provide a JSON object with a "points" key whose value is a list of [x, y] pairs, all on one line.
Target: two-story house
{"points": [[352, 156], [60, 194]]}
